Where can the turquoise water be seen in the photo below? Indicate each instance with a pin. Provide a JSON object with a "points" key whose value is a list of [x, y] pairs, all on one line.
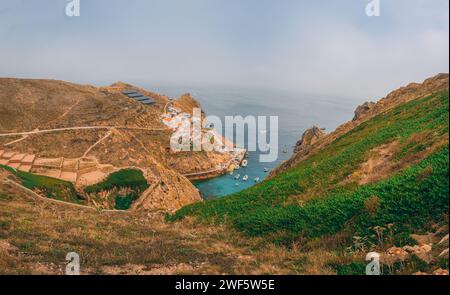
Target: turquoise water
{"points": [[296, 113]]}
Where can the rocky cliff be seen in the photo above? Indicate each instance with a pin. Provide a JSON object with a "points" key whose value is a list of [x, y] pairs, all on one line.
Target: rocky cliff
{"points": [[309, 138]]}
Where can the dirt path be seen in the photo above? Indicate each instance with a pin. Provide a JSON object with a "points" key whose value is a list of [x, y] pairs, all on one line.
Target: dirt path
{"points": [[108, 134], [79, 128], [68, 110], [16, 141]]}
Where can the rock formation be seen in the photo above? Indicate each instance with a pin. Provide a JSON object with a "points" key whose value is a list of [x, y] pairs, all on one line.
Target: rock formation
{"points": [[363, 110], [309, 137]]}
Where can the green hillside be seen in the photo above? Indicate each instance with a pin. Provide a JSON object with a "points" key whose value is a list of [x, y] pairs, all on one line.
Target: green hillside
{"points": [[50, 187], [315, 199]]}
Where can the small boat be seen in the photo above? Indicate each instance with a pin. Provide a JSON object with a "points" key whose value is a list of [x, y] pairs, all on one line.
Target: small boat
{"points": [[237, 167], [256, 179], [231, 173], [237, 176], [244, 163], [245, 178], [236, 184], [266, 169]]}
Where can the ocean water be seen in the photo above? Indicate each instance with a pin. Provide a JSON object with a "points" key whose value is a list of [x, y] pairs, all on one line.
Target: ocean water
{"points": [[295, 113]]}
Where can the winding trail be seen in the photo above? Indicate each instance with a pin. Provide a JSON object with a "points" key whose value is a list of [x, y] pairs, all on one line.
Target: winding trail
{"points": [[69, 109], [108, 134], [79, 128], [16, 141]]}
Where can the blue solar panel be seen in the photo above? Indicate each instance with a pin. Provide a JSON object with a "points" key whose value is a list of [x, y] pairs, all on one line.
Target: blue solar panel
{"points": [[127, 92], [141, 98], [148, 101], [135, 95]]}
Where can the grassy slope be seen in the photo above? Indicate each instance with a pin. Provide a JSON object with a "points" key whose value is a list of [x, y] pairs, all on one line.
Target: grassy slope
{"points": [[51, 187], [411, 199]]}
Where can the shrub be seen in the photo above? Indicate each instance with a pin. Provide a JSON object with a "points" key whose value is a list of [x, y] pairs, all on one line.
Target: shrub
{"points": [[131, 179], [125, 178]]}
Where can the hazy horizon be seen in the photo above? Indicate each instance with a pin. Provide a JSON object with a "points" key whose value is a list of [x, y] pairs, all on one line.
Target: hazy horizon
{"points": [[320, 48]]}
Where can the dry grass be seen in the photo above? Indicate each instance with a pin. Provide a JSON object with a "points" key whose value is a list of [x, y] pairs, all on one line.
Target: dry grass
{"points": [[35, 237], [371, 205]]}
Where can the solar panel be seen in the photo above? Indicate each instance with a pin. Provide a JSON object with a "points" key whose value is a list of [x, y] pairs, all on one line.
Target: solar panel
{"points": [[135, 95], [142, 98], [148, 101], [127, 92]]}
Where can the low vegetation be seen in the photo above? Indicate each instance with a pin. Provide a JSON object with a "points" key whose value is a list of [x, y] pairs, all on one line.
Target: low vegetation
{"points": [[50, 187], [126, 186], [131, 178]]}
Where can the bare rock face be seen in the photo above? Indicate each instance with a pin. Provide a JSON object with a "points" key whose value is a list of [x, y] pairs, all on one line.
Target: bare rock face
{"points": [[169, 191], [363, 110], [413, 90], [309, 137]]}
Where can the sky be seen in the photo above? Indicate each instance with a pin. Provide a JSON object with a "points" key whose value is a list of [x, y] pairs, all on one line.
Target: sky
{"points": [[320, 47]]}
